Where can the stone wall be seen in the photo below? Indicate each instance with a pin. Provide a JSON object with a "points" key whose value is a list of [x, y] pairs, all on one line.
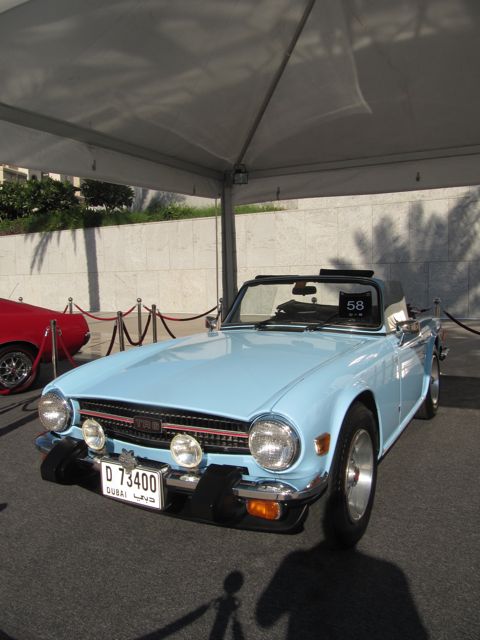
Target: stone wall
{"points": [[430, 240]]}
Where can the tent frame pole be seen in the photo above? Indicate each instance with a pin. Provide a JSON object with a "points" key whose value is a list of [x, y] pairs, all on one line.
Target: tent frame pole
{"points": [[229, 247]]}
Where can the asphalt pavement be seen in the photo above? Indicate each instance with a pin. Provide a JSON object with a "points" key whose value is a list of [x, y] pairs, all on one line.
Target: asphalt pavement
{"points": [[76, 565]]}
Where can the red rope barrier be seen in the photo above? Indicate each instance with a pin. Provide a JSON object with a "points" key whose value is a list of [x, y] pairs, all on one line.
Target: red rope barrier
{"points": [[202, 315], [460, 324], [112, 341], [159, 315], [65, 350], [127, 313], [90, 315], [65, 310], [166, 326], [36, 362], [142, 337]]}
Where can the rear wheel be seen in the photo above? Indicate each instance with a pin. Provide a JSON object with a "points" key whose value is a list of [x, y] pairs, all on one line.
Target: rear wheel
{"points": [[346, 508], [16, 367], [430, 405]]}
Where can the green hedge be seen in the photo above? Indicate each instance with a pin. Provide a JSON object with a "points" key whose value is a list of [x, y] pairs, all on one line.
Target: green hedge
{"points": [[79, 217]]}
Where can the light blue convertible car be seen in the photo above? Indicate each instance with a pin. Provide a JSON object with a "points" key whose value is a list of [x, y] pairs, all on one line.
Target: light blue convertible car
{"points": [[275, 421]]}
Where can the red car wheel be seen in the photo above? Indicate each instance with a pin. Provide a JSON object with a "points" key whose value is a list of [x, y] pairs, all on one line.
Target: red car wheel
{"points": [[16, 364]]}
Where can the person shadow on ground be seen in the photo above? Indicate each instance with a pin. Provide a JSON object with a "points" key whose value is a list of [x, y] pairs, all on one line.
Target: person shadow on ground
{"points": [[226, 619], [330, 594]]}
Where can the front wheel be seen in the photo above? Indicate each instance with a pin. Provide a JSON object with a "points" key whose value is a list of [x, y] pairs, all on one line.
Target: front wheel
{"points": [[348, 503], [16, 368]]}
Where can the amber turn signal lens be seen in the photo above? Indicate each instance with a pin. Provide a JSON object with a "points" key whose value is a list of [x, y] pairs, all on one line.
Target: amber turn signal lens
{"points": [[265, 509], [322, 444]]}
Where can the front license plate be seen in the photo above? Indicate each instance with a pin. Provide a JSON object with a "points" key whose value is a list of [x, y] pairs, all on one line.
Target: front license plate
{"points": [[141, 486]]}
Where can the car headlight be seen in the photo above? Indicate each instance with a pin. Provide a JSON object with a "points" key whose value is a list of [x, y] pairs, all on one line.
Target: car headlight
{"points": [[54, 411], [186, 451], [93, 434], [273, 443]]}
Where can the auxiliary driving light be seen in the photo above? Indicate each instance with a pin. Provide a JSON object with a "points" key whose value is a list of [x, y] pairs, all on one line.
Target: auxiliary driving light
{"points": [[93, 434], [186, 451], [266, 509]]}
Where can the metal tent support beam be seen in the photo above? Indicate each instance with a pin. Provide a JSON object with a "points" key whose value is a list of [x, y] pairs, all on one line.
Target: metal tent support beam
{"points": [[229, 247]]}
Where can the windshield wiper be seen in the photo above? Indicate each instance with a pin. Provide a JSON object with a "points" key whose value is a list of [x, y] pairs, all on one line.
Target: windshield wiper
{"points": [[263, 323], [320, 325], [274, 324]]}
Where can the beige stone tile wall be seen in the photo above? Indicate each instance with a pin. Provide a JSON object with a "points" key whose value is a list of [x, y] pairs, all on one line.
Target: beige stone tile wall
{"points": [[430, 240]]}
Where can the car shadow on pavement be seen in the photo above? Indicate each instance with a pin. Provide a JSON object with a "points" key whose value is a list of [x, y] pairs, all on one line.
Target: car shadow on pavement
{"points": [[460, 392], [328, 593]]}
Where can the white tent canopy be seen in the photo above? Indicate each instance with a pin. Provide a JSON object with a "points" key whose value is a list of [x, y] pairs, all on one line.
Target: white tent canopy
{"points": [[312, 98]]}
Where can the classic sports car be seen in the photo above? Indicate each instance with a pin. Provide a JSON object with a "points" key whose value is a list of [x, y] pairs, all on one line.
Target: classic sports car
{"points": [[22, 328], [275, 420]]}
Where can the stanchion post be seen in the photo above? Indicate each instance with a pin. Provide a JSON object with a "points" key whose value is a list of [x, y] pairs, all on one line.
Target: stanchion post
{"points": [[154, 322], [53, 332], [121, 338], [70, 305], [437, 303], [139, 318], [20, 299]]}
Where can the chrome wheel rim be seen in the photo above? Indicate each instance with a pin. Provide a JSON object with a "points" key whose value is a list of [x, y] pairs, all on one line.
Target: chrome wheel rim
{"points": [[359, 474], [435, 382], [15, 368]]}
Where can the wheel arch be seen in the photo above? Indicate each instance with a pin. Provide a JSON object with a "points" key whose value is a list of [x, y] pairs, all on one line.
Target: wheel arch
{"points": [[368, 400], [361, 394], [21, 343]]}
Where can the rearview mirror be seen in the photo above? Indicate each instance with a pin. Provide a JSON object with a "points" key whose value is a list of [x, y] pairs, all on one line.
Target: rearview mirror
{"points": [[299, 290]]}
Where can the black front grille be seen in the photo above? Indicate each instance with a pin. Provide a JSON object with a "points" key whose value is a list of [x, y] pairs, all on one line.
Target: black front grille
{"points": [[156, 426]]}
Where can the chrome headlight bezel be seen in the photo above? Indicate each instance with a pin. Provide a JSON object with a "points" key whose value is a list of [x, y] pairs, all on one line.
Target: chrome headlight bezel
{"points": [[277, 428], [49, 403]]}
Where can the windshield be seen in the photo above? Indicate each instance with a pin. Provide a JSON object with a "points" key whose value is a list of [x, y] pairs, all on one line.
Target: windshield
{"points": [[312, 303]]}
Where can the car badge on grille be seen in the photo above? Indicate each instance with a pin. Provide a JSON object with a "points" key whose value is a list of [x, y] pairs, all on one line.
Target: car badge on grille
{"points": [[147, 424], [127, 460]]}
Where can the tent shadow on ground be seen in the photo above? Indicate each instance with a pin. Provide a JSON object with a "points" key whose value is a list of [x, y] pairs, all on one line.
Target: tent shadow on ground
{"points": [[339, 594]]}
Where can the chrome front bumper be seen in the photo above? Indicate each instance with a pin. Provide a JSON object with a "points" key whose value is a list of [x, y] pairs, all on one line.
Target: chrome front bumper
{"points": [[186, 481]]}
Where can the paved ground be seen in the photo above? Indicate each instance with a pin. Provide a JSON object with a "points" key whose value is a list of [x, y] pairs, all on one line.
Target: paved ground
{"points": [[75, 565]]}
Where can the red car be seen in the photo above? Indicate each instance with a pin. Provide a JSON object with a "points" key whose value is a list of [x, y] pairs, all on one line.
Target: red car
{"points": [[22, 330]]}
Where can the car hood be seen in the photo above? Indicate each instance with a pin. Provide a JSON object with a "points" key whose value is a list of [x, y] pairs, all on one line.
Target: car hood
{"points": [[235, 373]]}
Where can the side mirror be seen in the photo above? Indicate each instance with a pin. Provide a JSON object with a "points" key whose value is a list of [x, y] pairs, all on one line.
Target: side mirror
{"points": [[407, 329], [211, 323]]}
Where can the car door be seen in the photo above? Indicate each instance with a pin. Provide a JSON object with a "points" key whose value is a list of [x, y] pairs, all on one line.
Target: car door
{"points": [[411, 350]]}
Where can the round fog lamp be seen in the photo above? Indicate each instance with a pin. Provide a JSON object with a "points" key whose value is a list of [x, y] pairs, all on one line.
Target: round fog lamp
{"points": [[54, 412], [186, 451], [93, 434]]}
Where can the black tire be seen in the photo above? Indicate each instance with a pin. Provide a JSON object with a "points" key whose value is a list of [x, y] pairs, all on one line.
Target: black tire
{"points": [[429, 407], [345, 511], [16, 362]]}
